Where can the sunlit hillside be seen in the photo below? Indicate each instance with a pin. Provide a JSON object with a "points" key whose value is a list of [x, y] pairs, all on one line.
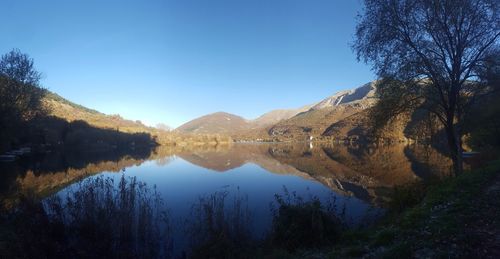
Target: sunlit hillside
{"points": [[62, 108], [69, 111]]}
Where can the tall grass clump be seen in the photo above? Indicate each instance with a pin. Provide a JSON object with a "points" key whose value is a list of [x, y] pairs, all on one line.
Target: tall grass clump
{"points": [[128, 219], [220, 227], [304, 223], [97, 218]]}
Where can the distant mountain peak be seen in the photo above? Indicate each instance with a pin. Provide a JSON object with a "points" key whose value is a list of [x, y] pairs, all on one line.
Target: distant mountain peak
{"points": [[362, 93], [215, 123], [222, 113]]}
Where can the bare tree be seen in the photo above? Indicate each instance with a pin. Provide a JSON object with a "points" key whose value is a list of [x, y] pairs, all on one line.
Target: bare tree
{"points": [[430, 52]]}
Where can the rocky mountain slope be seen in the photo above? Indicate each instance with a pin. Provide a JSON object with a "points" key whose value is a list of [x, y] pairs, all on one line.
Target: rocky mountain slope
{"points": [[326, 112], [287, 123], [347, 115], [275, 116], [363, 96]]}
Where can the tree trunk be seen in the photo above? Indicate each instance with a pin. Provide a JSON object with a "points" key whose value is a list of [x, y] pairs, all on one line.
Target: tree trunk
{"points": [[454, 143]]}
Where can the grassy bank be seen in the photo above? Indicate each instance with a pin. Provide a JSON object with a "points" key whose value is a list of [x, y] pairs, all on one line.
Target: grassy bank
{"points": [[456, 217]]}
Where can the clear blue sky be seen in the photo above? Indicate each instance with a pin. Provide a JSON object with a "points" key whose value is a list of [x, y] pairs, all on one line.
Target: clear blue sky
{"points": [[172, 61]]}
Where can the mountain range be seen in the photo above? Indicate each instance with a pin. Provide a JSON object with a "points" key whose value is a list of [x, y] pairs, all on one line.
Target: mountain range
{"points": [[344, 115], [305, 121]]}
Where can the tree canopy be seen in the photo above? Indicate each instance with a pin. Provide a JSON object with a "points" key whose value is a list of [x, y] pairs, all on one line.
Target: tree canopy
{"points": [[430, 52], [20, 93]]}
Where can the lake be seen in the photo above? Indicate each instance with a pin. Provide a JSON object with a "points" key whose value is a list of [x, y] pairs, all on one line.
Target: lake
{"points": [[357, 180]]}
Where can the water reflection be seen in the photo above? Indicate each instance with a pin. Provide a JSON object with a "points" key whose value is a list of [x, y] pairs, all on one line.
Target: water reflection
{"points": [[193, 180], [46, 174], [364, 172]]}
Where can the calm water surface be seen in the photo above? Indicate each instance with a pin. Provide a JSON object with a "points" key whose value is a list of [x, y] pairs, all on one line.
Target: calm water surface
{"points": [[358, 178]]}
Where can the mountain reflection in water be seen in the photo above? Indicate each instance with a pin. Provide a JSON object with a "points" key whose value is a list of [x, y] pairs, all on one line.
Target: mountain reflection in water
{"points": [[359, 171], [359, 179], [364, 172]]}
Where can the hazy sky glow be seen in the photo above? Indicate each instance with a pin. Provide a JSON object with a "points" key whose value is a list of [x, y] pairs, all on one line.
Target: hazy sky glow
{"points": [[172, 61]]}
